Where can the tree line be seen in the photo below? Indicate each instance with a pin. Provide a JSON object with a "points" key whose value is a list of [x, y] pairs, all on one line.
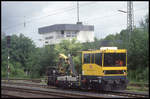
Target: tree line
{"points": [[27, 60]]}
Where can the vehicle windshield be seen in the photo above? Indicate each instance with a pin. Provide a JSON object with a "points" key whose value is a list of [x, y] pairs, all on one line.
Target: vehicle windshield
{"points": [[114, 59]]}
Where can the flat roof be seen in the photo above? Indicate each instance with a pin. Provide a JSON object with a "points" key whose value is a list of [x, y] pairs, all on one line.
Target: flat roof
{"points": [[60, 27]]}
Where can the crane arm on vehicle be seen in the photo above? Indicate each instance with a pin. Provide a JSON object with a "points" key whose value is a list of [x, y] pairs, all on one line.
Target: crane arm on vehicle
{"points": [[69, 61], [63, 56]]}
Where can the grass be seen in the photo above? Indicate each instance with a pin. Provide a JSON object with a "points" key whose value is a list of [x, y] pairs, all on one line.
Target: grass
{"points": [[137, 89], [43, 81], [137, 82], [138, 86]]}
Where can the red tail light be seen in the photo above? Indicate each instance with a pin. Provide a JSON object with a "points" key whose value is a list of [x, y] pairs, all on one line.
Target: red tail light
{"points": [[56, 81], [84, 81]]}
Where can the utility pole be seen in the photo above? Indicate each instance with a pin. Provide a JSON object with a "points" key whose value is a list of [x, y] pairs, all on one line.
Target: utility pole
{"points": [[24, 22], [130, 18], [8, 46]]}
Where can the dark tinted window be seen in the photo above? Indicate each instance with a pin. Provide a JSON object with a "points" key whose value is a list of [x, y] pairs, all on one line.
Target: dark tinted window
{"points": [[74, 34], [114, 71], [98, 58], [114, 59], [49, 37], [68, 34], [62, 32], [86, 58]]}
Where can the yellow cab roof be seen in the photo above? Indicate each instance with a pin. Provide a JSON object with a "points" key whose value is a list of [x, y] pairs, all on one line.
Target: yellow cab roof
{"points": [[106, 51]]}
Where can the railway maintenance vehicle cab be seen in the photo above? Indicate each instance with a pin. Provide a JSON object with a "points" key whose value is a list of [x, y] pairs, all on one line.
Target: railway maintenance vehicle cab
{"points": [[104, 69]]}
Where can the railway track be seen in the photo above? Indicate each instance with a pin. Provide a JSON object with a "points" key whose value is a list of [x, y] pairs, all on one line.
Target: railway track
{"points": [[19, 79], [103, 94], [31, 84], [31, 93], [24, 91], [130, 94], [39, 80], [124, 93]]}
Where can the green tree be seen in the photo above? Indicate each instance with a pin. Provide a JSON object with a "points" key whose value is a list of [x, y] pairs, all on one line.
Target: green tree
{"points": [[48, 58], [20, 52]]}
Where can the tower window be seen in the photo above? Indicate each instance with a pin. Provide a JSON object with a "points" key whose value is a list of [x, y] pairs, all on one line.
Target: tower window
{"points": [[62, 32]]}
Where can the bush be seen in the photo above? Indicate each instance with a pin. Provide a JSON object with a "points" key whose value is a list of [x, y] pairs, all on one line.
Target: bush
{"points": [[35, 74], [4, 74], [139, 75], [145, 74]]}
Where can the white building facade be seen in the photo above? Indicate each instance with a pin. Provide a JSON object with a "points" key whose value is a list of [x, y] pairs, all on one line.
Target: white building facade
{"points": [[55, 33]]}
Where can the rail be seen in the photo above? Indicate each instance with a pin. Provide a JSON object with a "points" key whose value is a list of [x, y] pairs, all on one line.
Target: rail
{"points": [[103, 94], [54, 92], [130, 94]]}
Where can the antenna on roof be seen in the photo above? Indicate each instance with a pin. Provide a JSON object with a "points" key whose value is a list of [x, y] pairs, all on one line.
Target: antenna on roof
{"points": [[78, 22], [77, 11]]}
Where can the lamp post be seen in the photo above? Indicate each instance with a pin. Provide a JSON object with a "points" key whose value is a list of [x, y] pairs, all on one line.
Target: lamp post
{"points": [[127, 22], [122, 11]]}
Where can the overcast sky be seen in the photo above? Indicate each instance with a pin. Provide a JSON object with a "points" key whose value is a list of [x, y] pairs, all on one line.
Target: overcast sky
{"points": [[103, 15]]}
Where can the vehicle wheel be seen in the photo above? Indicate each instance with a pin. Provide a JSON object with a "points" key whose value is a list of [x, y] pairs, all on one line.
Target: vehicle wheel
{"points": [[107, 88], [124, 86]]}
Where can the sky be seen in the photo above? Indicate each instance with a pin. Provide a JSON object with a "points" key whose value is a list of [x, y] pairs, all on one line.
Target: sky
{"points": [[27, 16]]}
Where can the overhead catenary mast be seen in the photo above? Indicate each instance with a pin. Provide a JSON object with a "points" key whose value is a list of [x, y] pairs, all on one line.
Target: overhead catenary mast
{"points": [[130, 18]]}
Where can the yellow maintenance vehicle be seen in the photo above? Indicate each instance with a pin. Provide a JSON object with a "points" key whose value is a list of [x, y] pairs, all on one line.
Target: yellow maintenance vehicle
{"points": [[108, 66], [103, 69]]}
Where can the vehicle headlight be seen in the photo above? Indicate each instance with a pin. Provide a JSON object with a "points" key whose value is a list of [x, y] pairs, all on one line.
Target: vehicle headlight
{"points": [[99, 80], [83, 72]]}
